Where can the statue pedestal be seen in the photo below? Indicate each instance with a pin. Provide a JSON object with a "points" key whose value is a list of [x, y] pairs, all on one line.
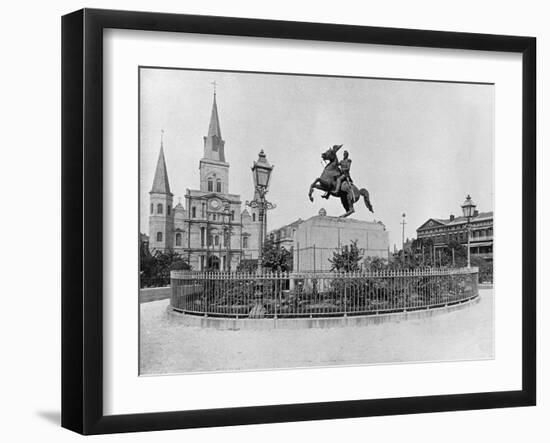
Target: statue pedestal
{"points": [[318, 237]]}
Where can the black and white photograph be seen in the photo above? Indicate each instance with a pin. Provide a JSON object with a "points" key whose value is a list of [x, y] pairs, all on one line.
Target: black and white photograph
{"points": [[298, 221], [275, 221]]}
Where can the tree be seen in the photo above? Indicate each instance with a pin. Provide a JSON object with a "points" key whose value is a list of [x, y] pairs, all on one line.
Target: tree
{"points": [[460, 254], [180, 265], [375, 263], [276, 257], [155, 268], [346, 259], [247, 265]]}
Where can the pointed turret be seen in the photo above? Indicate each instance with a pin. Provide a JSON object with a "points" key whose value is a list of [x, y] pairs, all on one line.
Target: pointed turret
{"points": [[161, 184], [161, 216]]}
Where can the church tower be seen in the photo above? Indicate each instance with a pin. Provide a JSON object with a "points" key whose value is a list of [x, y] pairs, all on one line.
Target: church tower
{"points": [[214, 170], [161, 214]]}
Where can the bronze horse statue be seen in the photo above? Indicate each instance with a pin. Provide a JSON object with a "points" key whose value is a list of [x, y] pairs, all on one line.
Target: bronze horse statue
{"points": [[348, 194]]}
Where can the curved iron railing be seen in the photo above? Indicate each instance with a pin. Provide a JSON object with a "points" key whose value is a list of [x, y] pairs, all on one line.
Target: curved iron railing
{"points": [[315, 294]]}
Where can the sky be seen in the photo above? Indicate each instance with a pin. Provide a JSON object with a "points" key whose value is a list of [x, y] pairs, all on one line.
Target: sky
{"points": [[418, 147]]}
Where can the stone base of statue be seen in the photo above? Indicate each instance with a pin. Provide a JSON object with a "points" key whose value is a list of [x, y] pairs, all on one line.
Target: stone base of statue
{"points": [[318, 237]]}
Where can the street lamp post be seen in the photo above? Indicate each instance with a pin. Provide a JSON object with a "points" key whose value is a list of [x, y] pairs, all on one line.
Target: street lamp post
{"points": [[261, 174], [403, 223], [468, 210], [227, 234]]}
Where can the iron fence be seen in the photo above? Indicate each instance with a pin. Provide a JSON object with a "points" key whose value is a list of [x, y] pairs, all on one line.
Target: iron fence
{"points": [[312, 294], [486, 276]]}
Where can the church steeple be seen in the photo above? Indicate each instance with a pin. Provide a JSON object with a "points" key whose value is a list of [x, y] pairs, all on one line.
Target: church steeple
{"points": [[214, 127], [160, 182], [213, 142], [161, 216], [214, 170]]}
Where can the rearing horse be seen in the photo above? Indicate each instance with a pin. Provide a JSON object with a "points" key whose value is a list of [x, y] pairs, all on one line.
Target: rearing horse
{"points": [[349, 193]]}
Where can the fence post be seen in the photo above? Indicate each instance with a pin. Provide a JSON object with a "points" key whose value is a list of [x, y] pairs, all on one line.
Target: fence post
{"points": [[207, 292], [278, 283], [345, 296]]}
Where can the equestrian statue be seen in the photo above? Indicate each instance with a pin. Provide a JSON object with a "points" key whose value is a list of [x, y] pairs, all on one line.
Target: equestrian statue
{"points": [[335, 180]]}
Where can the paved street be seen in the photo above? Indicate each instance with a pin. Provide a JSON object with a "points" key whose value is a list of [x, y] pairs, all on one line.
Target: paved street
{"points": [[167, 346]]}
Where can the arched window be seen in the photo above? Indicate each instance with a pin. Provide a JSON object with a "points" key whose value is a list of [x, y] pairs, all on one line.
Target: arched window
{"points": [[216, 240], [253, 217], [194, 212], [168, 209], [178, 239], [152, 207], [210, 185], [232, 215], [202, 236], [218, 185], [245, 242], [159, 208], [159, 236]]}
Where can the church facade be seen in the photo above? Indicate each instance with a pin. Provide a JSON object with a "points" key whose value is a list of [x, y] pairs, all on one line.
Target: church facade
{"points": [[210, 231]]}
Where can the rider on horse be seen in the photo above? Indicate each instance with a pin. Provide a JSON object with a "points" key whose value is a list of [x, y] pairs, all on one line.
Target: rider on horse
{"points": [[332, 179], [345, 166]]}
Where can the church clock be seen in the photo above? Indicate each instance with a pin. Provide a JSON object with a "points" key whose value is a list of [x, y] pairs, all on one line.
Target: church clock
{"points": [[215, 204]]}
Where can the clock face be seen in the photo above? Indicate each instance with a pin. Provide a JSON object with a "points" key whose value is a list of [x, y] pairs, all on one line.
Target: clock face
{"points": [[215, 203]]}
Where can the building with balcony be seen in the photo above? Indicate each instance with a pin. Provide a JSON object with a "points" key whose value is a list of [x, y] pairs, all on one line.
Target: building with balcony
{"points": [[443, 231]]}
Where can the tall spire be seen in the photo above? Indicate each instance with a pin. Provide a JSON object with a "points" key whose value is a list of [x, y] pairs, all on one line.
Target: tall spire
{"points": [[214, 127], [213, 143], [160, 182]]}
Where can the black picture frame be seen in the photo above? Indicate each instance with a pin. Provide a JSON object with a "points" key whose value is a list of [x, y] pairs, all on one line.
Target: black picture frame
{"points": [[82, 218]]}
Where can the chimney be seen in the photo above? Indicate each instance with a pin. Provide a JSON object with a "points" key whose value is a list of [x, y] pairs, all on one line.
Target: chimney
{"points": [[452, 217]]}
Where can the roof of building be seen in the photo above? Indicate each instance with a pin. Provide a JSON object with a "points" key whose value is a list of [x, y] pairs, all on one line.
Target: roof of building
{"points": [[160, 182], [481, 216], [294, 223], [432, 222]]}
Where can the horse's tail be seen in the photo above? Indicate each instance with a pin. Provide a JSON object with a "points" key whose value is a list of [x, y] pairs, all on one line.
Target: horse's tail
{"points": [[365, 195]]}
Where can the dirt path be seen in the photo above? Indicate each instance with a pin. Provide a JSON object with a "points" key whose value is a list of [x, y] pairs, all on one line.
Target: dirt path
{"points": [[167, 346]]}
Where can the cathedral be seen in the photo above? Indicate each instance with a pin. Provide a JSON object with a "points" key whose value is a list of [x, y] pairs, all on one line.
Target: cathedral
{"points": [[211, 231]]}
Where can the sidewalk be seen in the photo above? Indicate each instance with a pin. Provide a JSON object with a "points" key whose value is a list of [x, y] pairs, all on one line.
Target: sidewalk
{"points": [[169, 347]]}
